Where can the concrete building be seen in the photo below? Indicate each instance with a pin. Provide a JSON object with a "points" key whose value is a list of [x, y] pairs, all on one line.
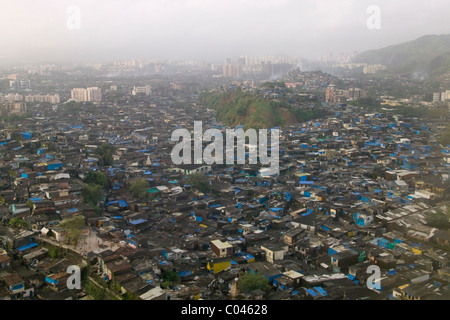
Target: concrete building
{"points": [[147, 90], [92, 94]]}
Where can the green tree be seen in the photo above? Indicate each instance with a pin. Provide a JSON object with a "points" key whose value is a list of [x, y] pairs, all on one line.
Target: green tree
{"points": [[73, 228], [139, 188], [53, 252], [96, 177], [92, 194], [444, 139], [199, 182], [253, 281], [439, 220], [18, 223], [169, 278], [106, 152]]}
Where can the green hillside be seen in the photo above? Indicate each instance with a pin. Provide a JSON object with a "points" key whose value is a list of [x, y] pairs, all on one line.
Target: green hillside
{"points": [[428, 54], [254, 111]]}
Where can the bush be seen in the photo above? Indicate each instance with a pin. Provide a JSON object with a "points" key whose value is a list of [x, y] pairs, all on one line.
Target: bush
{"points": [[18, 223], [199, 182], [92, 194], [139, 188], [439, 220], [96, 177], [253, 281]]}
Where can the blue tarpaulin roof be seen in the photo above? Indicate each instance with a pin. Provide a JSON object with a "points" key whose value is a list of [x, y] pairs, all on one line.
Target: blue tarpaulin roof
{"points": [[321, 291], [138, 221], [123, 204], [27, 246], [26, 135], [311, 292]]}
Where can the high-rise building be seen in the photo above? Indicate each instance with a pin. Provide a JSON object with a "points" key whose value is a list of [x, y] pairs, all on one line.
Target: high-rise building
{"points": [[20, 84], [92, 94], [446, 96], [147, 90], [13, 97], [436, 96], [232, 70], [49, 98], [329, 93]]}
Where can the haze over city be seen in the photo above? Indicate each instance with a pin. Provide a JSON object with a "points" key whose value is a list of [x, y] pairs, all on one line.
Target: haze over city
{"points": [[208, 29]]}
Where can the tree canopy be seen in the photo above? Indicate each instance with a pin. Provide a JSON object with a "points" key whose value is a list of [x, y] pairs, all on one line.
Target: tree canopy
{"points": [[253, 281], [96, 177], [439, 220], [139, 188], [106, 152], [199, 181], [92, 194], [18, 223], [73, 228]]}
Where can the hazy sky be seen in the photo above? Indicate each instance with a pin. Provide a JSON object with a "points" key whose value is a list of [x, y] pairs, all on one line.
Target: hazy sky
{"points": [[209, 29]]}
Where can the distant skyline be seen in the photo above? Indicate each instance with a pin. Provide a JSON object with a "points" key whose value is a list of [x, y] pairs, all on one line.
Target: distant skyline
{"points": [[211, 30]]}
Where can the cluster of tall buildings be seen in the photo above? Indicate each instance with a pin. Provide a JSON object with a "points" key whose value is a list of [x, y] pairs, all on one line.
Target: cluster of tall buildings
{"points": [[373, 68], [333, 95], [438, 96], [20, 84], [47, 98], [267, 65], [92, 94], [341, 58], [232, 70]]}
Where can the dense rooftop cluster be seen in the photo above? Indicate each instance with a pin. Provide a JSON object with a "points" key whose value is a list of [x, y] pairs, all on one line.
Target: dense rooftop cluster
{"points": [[354, 189]]}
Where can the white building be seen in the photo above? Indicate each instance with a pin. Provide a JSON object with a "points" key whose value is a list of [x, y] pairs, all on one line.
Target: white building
{"points": [[92, 94], [147, 90], [49, 98]]}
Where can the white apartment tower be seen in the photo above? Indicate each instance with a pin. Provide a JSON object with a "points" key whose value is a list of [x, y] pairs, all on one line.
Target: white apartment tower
{"points": [[92, 94]]}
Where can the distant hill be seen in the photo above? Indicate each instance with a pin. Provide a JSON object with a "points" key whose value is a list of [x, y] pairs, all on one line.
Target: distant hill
{"points": [[254, 111], [428, 55]]}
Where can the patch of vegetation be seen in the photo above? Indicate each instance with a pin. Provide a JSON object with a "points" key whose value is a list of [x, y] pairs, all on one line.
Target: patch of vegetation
{"points": [[96, 177], [169, 279], [98, 293], [53, 252], [444, 139], [253, 281], [255, 111], [92, 193], [18, 223], [105, 153], [139, 188], [429, 55], [439, 220], [199, 181], [73, 228]]}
